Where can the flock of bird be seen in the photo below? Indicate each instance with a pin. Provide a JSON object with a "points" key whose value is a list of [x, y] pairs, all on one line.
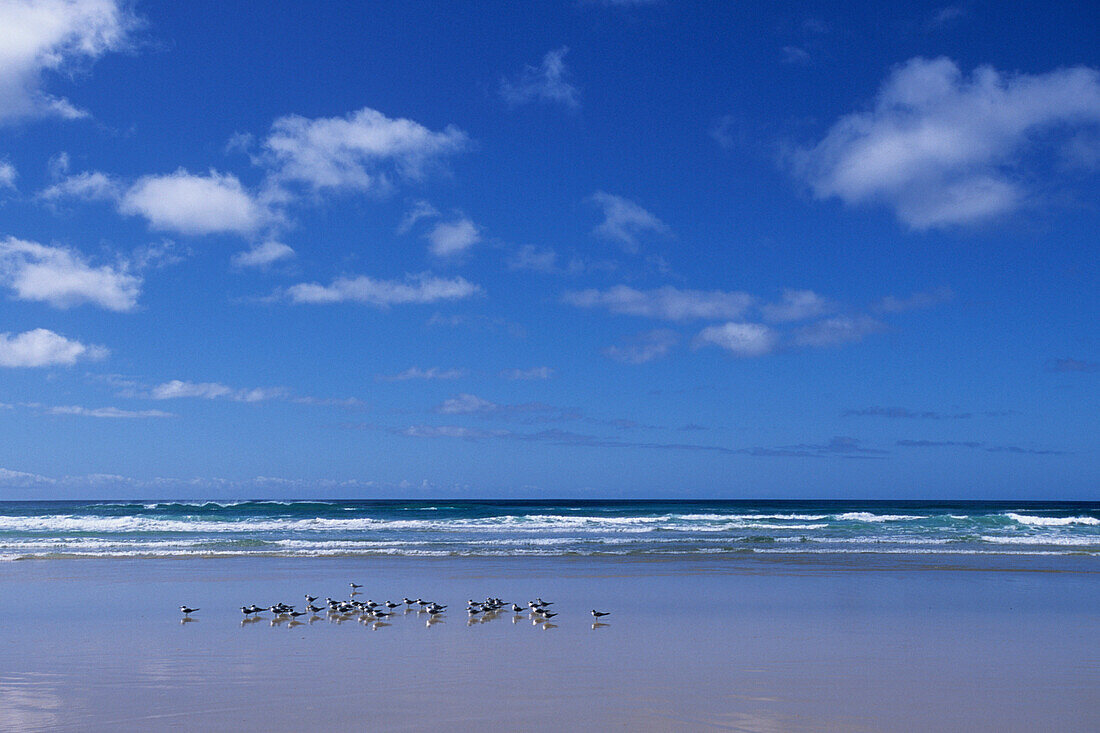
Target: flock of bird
{"points": [[370, 612]]}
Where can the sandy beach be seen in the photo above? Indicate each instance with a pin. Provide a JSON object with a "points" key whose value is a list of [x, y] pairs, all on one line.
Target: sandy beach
{"points": [[746, 645]]}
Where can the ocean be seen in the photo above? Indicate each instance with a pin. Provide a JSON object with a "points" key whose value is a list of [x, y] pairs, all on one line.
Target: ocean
{"points": [[98, 529]]}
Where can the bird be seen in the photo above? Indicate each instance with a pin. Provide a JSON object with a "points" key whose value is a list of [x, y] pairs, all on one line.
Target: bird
{"points": [[313, 609], [599, 614], [310, 599], [247, 610], [547, 615], [187, 611], [296, 614], [516, 608], [354, 586]]}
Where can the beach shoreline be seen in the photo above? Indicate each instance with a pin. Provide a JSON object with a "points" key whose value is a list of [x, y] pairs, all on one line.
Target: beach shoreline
{"points": [[692, 644]]}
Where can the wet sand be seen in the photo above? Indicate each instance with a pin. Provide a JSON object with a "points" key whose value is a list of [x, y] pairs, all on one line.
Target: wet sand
{"points": [[850, 644]]}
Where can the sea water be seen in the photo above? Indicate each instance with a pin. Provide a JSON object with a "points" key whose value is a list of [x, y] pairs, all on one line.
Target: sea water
{"points": [[68, 529]]}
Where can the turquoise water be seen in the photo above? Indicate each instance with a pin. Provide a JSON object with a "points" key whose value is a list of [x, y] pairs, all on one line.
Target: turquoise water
{"points": [[30, 530]]}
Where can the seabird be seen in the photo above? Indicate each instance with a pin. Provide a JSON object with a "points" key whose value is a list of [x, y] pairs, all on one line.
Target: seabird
{"points": [[547, 615], [516, 608], [310, 599], [187, 611], [598, 614], [354, 585]]}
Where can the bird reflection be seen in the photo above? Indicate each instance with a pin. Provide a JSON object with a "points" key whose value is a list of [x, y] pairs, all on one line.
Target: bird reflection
{"points": [[600, 625], [188, 620]]}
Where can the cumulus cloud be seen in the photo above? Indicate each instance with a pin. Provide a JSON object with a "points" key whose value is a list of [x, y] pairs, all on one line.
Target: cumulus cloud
{"points": [[533, 373], [41, 348], [195, 204], [643, 347], [365, 150], [837, 331], [625, 221], [466, 404], [666, 303], [526, 412], [1072, 365], [421, 288], [530, 257], [263, 254], [547, 82], [176, 389], [106, 412], [796, 305], [86, 186], [452, 238], [419, 210], [795, 55], [916, 301], [942, 148], [415, 372], [905, 413], [42, 36], [740, 339], [8, 175], [63, 278]]}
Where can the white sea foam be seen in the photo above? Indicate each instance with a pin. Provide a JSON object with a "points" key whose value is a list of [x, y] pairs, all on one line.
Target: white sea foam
{"points": [[1051, 521], [869, 517], [1045, 540]]}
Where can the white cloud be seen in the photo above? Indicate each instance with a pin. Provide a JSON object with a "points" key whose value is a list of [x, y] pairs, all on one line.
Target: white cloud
{"points": [[466, 404], [421, 288], [8, 175], [431, 373], [39, 36], [452, 238], [195, 204], [263, 254], [41, 347], [916, 301], [449, 431], [644, 347], [106, 412], [362, 151], [176, 389], [62, 278], [419, 210], [21, 480], [667, 303], [942, 149], [795, 55], [740, 339], [796, 305], [533, 373], [624, 221], [836, 331], [945, 17], [546, 82], [530, 257], [87, 186]]}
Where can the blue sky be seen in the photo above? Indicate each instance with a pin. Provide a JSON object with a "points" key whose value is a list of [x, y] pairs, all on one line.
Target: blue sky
{"points": [[593, 249]]}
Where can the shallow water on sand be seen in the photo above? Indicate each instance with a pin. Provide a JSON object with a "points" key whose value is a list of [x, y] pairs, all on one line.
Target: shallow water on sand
{"points": [[690, 645]]}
